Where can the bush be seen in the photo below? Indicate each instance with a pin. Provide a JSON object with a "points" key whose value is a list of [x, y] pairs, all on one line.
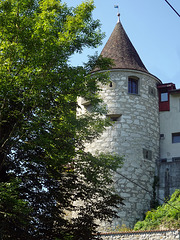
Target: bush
{"points": [[166, 216]]}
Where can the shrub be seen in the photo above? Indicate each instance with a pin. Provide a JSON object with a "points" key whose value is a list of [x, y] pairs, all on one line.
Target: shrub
{"points": [[166, 216]]}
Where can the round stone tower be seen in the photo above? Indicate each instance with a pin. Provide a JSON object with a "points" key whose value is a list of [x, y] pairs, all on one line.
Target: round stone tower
{"points": [[132, 102]]}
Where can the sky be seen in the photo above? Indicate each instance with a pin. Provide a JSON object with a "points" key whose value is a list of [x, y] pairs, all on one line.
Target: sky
{"points": [[153, 28]]}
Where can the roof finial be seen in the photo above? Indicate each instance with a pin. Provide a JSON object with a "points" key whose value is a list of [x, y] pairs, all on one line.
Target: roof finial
{"points": [[118, 14]]}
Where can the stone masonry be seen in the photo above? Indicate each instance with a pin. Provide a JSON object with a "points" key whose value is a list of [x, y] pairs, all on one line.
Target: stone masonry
{"points": [[153, 235], [134, 135]]}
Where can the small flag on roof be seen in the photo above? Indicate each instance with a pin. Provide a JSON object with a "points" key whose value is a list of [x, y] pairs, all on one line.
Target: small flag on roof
{"points": [[117, 6]]}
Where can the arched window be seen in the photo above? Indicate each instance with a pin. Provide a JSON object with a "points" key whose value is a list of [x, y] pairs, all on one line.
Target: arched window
{"points": [[133, 85]]}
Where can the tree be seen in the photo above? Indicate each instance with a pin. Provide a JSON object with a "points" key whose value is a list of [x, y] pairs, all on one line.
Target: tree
{"points": [[44, 167]]}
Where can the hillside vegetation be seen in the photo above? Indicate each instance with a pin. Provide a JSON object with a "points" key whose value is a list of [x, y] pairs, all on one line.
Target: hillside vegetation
{"points": [[166, 216]]}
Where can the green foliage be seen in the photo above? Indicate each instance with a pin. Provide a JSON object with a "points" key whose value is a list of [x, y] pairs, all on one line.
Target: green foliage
{"points": [[122, 228], [166, 216], [14, 214], [43, 164], [154, 201]]}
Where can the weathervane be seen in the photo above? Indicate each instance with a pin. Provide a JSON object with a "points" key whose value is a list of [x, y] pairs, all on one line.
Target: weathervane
{"points": [[118, 14]]}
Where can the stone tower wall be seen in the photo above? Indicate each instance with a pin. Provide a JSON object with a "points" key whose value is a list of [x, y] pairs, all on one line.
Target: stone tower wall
{"points": [[135, 135]]}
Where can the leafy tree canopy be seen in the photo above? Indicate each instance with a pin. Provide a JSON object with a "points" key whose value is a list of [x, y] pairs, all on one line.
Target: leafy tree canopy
{"points": [[44, 167]]}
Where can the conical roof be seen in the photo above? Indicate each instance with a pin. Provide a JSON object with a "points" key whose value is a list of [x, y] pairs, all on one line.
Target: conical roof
{"points": [[121, 50]]}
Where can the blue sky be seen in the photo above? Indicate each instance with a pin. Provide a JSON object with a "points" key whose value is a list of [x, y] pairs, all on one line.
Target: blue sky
{"points": [[153, 28]]}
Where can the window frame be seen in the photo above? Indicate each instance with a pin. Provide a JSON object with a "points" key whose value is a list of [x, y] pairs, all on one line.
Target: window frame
{"points": [[133, 85], [147, 154], [176, 137], [166, 98]]}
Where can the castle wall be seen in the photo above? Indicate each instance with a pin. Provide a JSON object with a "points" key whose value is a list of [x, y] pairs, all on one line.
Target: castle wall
{"points": [[135, 135], [145, 235]]}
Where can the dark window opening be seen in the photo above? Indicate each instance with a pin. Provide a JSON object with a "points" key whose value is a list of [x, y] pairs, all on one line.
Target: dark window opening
{"points": [[147, 154], [133, 86], [152, 91], [162, 136], [176, 159], [164, 160], [114, 117], [176, 137]]}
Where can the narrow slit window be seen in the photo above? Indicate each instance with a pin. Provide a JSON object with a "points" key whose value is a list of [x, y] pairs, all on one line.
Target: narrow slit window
{"points": [[114, 117], [152, 91], [147, 154]]}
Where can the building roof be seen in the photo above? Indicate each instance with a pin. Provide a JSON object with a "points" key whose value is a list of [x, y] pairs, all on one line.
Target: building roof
{"points": [[175, 91], [121, 50]]}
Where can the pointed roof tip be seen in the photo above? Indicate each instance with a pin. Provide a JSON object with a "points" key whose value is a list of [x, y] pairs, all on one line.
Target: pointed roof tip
{"points": [[120, 49], [118, 17]]}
